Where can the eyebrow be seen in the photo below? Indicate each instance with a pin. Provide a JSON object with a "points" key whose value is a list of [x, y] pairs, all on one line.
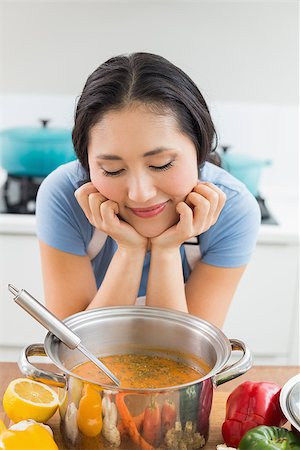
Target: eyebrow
{"points": [[149, 153]]}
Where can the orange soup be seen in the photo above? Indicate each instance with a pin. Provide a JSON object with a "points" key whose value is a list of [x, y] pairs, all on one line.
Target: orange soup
{"points": [[136, 371]]}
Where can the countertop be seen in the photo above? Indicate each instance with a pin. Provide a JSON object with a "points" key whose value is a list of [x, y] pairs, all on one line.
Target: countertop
{"points": [[276, 374], [286, 232], [282, 205], [282, 202]]}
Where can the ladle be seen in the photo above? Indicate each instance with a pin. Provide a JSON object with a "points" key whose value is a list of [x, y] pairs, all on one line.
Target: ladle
{"points": [[56, 326]]}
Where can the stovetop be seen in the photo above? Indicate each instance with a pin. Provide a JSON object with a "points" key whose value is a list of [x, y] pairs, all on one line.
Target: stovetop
{"points": [[266, 216], [18, 196]]}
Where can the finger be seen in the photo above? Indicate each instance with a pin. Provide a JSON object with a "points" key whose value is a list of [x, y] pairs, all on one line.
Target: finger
{"points": [[221, 199], [221, 194], [109, 211], [82, 196], [201, 208], [215, 196], [95, 200], [186, 216], [83, 199], [86, 188]]}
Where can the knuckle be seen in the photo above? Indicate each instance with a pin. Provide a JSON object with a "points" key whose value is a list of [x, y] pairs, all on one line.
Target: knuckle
{"points": [[86, 187], [93, 196], [205, 203], [215, 196], [223, 196]]}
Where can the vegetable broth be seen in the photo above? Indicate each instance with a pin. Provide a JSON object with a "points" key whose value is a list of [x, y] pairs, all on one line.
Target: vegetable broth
{"points": [[139, 371]]}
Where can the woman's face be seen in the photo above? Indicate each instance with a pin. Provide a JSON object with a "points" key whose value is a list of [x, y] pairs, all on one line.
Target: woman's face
{"points": [[142, 161]]}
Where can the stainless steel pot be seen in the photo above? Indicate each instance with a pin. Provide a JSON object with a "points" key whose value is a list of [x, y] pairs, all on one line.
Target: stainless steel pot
{"points": [[116, 330]]}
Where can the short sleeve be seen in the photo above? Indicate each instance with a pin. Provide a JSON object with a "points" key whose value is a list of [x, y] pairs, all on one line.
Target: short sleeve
{"points": [[231, 241], [60, 221]]}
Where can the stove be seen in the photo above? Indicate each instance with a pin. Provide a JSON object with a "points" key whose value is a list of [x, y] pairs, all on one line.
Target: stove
{"points": [[266, 217], [18, 196]]}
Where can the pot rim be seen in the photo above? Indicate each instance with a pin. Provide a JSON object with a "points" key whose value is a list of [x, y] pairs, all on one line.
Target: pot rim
{"points": [[287, 401], [36, 135], [180, 317]]}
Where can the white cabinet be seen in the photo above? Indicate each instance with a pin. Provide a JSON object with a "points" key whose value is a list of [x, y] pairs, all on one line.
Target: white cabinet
{"points": [[264, 313], [19, 266]]}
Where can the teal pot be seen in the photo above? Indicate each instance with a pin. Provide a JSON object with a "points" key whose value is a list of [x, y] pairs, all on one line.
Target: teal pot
{"points": [[245, 168], [35, 151]]}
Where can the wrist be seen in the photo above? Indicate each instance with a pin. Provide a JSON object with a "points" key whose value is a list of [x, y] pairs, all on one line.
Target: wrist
{"points": [[131, 252], [165, 252], [165, 243]]}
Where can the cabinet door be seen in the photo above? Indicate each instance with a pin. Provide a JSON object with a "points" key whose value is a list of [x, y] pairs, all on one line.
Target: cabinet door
{"points": [[264, 310], [19, 266]]}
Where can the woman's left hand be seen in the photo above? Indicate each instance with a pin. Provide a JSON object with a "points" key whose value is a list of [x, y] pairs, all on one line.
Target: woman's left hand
{"points": [[198, 213]]}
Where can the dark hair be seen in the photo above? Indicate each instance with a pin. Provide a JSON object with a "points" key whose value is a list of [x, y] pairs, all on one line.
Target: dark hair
{"points": [[147, 79]]}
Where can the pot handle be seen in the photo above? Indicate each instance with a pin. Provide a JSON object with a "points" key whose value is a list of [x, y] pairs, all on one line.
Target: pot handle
{"points": [[30, 371], [238, 368]]}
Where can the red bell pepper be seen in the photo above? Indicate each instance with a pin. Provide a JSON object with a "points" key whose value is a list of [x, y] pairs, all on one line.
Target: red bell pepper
{"points": [[249, 405]]}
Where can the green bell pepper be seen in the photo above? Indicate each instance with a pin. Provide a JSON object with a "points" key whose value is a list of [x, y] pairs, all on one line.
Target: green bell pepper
{"points": [[269, 438]]}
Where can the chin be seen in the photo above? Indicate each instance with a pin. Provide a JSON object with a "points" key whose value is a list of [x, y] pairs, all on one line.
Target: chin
{"points": [[149, 232], [152, 230]]}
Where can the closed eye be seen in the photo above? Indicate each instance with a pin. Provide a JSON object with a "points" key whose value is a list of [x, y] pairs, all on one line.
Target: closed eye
{"points": [[156, 168], [112, 174], [164, 167]]}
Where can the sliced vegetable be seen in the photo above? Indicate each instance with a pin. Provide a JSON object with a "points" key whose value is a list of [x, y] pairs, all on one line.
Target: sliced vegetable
{"points": [[152, 423], [129, 422], [109, 428], [70, 423], [168, 416], [89, 415], [138, 420], [269, 438], [249, 405], [183, 439]]}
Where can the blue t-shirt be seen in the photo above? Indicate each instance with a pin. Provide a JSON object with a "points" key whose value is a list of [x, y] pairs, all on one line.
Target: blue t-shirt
{"points": [[62, 224]]}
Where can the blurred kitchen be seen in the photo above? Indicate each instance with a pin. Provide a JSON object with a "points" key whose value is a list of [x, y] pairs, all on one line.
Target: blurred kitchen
{"points": [[244, 57]]}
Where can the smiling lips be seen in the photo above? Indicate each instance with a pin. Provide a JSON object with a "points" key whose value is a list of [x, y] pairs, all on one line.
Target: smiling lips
{"points": [[149, 212]]}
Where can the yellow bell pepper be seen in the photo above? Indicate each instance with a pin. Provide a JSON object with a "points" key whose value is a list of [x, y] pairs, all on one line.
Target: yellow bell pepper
{"points": [[26, 435], [89, 415]]}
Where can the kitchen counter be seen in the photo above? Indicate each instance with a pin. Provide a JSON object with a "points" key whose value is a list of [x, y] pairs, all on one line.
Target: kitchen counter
{"points": [[285, 232], [282, 202], [276, 374]]}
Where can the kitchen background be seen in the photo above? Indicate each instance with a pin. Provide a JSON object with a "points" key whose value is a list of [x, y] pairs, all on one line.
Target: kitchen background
{"points": [[244, 57]]}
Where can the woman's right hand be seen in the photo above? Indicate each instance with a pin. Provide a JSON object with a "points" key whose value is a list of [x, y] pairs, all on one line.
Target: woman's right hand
{"points": [[102, 214]]}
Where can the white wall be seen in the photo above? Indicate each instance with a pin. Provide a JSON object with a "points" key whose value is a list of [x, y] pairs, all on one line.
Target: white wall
{"points": [[236, 51], [242, 54]]}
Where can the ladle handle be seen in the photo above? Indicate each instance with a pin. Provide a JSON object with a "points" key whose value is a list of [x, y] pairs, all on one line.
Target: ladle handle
{"points": [[45, 317]]}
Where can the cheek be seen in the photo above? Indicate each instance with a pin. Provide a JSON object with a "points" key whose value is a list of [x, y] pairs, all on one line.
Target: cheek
{"points": [[106, 187], [181, 183]]}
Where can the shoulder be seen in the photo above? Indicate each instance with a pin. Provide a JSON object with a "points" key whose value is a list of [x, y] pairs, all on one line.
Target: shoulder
{"points": [[221, 178], [67, 176], [231, 240], [238, 196], [58, 209], [57, 189]]}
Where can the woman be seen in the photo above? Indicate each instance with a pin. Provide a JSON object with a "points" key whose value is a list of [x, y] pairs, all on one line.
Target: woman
{"points": [[112, 225]]}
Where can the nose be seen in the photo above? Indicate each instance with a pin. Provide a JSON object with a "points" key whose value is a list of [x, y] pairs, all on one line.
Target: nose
{"points": [[141, 189]]}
